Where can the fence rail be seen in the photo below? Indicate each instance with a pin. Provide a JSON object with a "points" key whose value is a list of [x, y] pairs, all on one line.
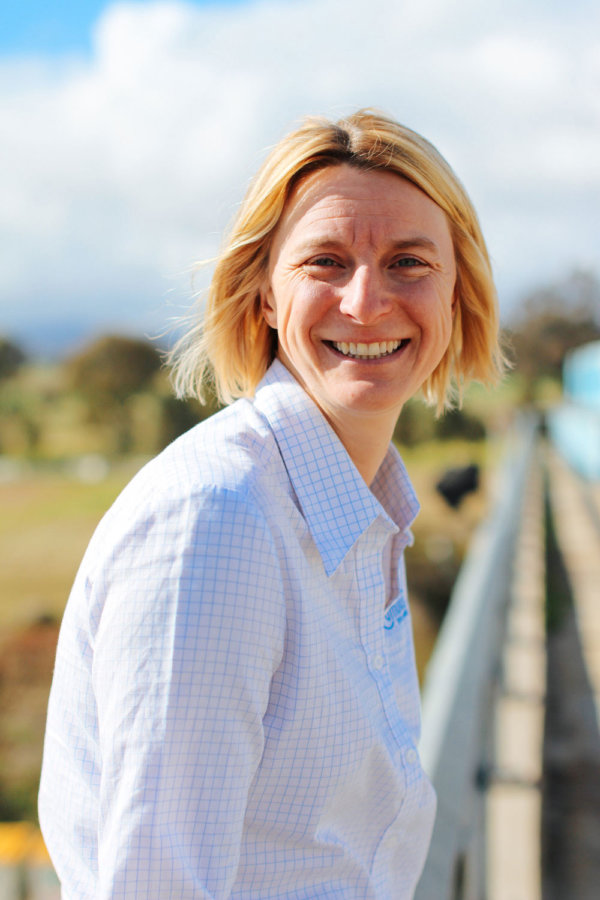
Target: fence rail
{"points": [[457, 698]]}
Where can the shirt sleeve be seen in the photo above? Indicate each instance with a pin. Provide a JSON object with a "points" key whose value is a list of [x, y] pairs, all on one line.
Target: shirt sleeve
{"points": [[188, 638]]}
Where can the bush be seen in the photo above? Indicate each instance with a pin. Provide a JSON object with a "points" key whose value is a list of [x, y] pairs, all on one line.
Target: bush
{"points": [[112, 368], [11, 358]]}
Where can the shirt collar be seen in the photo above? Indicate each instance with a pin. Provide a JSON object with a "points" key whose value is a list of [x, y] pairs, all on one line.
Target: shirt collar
{"points": [[336, 503]]}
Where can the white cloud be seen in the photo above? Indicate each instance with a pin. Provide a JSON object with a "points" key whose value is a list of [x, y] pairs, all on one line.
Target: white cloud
{"points": [[517, 67], [118, 171]]}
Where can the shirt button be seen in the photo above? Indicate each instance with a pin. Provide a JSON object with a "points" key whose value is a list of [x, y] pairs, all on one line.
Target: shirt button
{"points": [[411, 756], [377, 661]]}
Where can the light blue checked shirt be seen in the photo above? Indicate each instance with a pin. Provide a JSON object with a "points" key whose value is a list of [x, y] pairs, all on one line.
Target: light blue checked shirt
{"points": [[235, 710]]}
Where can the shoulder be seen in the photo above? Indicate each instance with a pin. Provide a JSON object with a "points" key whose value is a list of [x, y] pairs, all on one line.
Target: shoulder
{"points": [[229, 453], [225, 471], [193, 535], [228, 450]]}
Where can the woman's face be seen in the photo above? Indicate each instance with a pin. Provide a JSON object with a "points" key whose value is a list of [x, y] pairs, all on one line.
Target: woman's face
{"points": [[360, 289]]}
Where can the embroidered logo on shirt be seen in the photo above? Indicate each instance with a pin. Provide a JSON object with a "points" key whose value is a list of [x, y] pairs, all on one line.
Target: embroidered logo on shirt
{"points": [[395, 614]]}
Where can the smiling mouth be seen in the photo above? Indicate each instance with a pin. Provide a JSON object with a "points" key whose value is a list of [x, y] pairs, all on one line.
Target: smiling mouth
{"points": [[376, 350]]}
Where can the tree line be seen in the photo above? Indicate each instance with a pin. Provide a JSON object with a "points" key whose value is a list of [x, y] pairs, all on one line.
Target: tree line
{"points": [[113, 396]]}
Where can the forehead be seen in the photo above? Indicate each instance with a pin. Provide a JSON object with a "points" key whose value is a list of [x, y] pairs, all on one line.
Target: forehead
{"points": [[339, 196]]}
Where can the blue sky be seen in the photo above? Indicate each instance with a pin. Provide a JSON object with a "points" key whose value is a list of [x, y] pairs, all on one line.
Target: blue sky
{"points": [[129, 132], [55, 27], [49, 27]]}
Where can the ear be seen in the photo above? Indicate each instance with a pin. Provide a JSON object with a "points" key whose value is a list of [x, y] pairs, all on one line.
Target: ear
{"points": [[267, 306]]}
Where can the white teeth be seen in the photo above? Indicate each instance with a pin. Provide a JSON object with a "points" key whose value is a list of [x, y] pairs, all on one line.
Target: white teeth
{"points": [[366, 351]]}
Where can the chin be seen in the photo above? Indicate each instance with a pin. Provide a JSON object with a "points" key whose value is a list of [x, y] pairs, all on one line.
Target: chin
{"points": [[367, 405]]}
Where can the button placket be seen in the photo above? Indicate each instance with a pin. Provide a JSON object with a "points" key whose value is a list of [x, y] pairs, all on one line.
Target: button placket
{"points": [[372, 589], [378, 661], [411, 756]]}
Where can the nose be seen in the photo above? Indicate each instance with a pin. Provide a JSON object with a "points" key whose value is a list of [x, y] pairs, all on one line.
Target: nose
{"points": [[365, 298]]}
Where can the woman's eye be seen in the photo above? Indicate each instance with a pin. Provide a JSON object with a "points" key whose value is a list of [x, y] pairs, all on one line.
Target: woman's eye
{"points": [[408, 262], [323, 261]]}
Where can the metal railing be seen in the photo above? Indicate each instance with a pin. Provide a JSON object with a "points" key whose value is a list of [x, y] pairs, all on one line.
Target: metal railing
{"points": [[459, 684]]}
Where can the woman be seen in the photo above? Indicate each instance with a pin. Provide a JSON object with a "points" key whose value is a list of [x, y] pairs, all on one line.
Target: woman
{"points": [[235, 710]]}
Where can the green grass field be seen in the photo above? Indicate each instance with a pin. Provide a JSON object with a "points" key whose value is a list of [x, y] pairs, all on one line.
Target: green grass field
{"points": [[46, 521]]}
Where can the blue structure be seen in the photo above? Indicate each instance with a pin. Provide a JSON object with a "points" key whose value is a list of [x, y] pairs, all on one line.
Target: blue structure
{"points": [[574, 426]]}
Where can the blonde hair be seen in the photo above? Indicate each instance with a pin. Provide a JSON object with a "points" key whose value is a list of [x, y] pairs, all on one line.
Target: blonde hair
{"points": [[232, 346]]}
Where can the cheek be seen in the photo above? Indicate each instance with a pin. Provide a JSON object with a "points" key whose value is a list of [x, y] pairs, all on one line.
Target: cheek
{"points": [[300, 310], [437, 326]]}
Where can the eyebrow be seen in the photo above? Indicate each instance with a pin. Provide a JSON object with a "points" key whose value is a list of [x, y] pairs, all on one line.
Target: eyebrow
{"points": [[418, 242]]}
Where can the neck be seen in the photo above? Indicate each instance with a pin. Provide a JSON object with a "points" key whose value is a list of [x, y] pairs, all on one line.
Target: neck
{"points": [[366, 442]]}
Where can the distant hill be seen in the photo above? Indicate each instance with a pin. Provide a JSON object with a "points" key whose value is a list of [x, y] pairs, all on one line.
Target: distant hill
{"points": [[53, 338]]}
